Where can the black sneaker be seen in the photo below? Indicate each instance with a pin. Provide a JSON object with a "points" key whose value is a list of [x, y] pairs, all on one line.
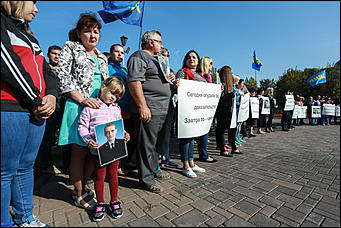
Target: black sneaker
{"points": [[99, 212], [115, 209]]}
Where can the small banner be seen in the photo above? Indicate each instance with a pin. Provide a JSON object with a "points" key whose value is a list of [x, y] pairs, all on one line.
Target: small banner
{"points": [[244, 108], [328, 110], [254, 105], [295, 112], [233, 123], [315, 111], [289, 103], [197, 103], [266, 106]]}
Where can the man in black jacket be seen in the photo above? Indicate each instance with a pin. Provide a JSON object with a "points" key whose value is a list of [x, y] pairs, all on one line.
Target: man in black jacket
{"points": [[285, 120]]}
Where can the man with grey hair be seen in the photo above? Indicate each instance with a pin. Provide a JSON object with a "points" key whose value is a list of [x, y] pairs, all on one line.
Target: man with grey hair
{"points": [[151, 95]]}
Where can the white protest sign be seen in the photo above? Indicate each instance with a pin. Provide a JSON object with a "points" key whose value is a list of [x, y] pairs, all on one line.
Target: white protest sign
{"points": [[197, 103], [302, 112], [290, 103], [328, 109], [233, 123], [266, 106], [254, 103], [295, 112], [315, 111], [337, 110], [244, 108]]}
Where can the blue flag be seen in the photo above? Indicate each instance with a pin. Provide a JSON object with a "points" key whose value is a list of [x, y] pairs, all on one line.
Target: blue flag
{"points": [[255, 62], [318, 78], [129, 12]]}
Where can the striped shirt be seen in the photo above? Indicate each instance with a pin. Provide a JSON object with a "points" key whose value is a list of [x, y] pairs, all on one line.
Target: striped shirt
{"points": [[91, 117]]}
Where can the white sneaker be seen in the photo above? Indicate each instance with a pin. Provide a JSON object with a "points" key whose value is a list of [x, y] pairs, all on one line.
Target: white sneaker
{"points": [[198, 169], [189, 172], [33, 221]]}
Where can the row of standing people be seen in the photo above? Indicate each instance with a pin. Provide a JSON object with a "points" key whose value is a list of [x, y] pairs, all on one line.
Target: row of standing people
{"points": [[140, 95], [82, 73], [287, 122]]}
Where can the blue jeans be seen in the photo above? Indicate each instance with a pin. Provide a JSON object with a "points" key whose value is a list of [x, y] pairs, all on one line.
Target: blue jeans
{"points": [[21, 136], [325, 119], [202, 146], [314, 121], [186, 147], [239, 125]]}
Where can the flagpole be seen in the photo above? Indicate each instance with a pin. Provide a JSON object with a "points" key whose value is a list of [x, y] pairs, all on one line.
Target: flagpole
{"points": [[141, 26], [256, 79], [140, 37]]}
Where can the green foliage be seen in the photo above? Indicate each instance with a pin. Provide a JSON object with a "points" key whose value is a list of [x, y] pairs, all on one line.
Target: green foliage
{"points": [[266, 83], [296, 81], [214, 74], [250, 83]]}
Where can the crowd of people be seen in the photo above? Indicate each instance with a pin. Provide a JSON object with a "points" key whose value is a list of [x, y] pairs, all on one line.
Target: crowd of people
{"points": [[80, 88]]}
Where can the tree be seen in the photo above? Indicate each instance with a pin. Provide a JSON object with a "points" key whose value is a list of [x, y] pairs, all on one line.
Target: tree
{"points": [[296, 81], [250, 83], [214, 74], [266, 83]]}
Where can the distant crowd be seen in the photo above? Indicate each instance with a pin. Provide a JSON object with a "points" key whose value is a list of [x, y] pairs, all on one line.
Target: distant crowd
{"points": [[62, 101]]}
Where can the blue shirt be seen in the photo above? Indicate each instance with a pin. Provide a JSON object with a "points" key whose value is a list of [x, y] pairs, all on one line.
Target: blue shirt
{"points": [[115, 69], [237, 95]]}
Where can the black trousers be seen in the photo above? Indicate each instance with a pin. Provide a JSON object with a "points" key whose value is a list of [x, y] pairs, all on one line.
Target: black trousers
{"points": [[261, 120], [223, 124], [286, 120], [269, 121]]}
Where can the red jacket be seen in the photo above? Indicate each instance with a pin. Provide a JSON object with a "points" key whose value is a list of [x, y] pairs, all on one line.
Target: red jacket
{"points": [[25, 75]]}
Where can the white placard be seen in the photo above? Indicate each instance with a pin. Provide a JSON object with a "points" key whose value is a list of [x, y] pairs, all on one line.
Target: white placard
{"points": [[315, 111], [254, 105], [337, 110], [244, 108], [328, 109], [197, 103], [266, 106], [289, 103], [295, 112], [302, 112], [233, 123]]}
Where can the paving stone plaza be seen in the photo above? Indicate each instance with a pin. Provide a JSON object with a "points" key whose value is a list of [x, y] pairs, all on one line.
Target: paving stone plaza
{"points": [[282, 179]]}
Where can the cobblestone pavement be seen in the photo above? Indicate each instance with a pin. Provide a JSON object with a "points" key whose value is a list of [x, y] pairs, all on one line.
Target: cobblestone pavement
{"points": [[282, 179]]}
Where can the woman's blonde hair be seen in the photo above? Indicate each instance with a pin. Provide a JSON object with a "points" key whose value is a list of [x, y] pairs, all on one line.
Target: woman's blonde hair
{"points": [[205, 65], [112, 84], [235, 79], [16, 9]]}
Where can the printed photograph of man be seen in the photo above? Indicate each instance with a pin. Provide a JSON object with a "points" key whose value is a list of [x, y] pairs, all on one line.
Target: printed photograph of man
{"points": [[114, 148]]}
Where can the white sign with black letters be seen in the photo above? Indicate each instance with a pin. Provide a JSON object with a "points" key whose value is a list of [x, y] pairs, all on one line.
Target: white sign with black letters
{"points": [[197, 103]]}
